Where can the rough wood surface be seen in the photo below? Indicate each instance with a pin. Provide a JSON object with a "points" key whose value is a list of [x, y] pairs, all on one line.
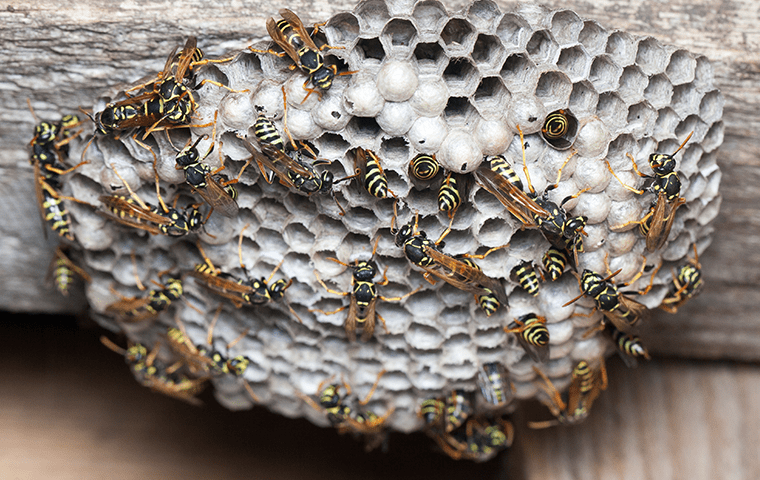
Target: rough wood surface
{"points": [[62, 58]]}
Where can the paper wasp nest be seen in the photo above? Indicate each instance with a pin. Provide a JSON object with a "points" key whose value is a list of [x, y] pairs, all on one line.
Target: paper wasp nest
{"points": [[456, 85]]}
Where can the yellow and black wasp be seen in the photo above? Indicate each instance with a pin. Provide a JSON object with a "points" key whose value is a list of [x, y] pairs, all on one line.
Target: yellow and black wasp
{"points": [[480, 440], [616, 306], [559, 129], [458, 409], [297, 174], [532, 335], [628, 346], [250, 291], [339, 413], [201, 179], [554, 262], [424, 167], [361, 309], [158, 377], [452, 191], [137, 309], [64, 270], [585, 387], [433, 412], [290, 35], [526, 276], [369, 170], [498, 177], [493, 383], [687, 283], [133, 212], [47, 159], [666, 185]]}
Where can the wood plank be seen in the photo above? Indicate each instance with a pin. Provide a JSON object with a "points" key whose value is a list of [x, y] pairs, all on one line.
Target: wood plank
{"points": [[63, 58]]}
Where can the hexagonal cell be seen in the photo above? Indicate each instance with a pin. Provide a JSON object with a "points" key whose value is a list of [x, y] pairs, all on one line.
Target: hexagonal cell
{"points": [[611, 110], [713, 137], [458, 35], [541, 47], [686, 100], [372, 15], [370, 49], [711, 107], [491, 95], [566, 26], [342, 29], [593, 37], [554, 89], [487, 52], [459, 110], [363, 130], [659, 91], [430, 56], [483, 14], [399, 34], [575, 62], [681, 68], [632, 84], [461, 76], [560, 129], [641, 119], [651, 56], [513, 30], [703, 75], [518, 72], [621, 47], [583, 98], [667, 121], [690, 124], [604, 74], [429, 16]]}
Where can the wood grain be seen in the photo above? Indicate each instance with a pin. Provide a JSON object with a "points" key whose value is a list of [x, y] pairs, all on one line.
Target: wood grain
{"points": [[64, 57]]}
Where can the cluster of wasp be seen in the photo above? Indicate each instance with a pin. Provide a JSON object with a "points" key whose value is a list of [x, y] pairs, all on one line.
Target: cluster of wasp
{"points": [[167, 102]]}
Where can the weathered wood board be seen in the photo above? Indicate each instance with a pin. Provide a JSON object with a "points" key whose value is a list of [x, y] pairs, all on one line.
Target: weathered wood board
{"points": [[62, 58]]}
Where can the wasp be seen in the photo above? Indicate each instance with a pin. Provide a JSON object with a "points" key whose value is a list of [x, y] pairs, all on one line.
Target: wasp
{"points": [[464, 274], [480, 441], [494, 386], [64, 271], [339, 414], [458, 409], [450, 195], [532, 335], [133, 212], [498, 177], [238, 291], [368, 169], [290, 34], [559, 129], [526, 277], [286, 169], [585, 387], [414, 241], [433, 412], [687, 283], [554, 261], [156, 377], [201, 179], [48, 147], [629, 346], [137, 309], [424, 167], [361, 309], [666, 185]]}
